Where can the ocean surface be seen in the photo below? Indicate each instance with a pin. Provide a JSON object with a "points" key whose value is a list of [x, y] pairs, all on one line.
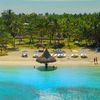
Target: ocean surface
{"points": [[64, 83]]}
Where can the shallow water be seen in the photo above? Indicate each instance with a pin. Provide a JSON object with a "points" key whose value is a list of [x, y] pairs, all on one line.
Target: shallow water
{"points": [[64, 83]]}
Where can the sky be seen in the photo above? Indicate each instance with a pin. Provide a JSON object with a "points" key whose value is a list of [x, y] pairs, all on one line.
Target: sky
{"points": [[51, 6]]}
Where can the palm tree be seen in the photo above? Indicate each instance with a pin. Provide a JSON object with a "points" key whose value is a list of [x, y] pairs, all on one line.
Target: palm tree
{"points": [[9, 18]]}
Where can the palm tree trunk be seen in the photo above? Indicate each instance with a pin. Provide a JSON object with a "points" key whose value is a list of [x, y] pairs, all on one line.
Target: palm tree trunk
{"points": [[14, 45], [50, 38]]}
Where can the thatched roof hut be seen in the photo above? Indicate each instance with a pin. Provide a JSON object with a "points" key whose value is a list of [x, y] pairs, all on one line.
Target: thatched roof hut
{"points": [[46, 58]]}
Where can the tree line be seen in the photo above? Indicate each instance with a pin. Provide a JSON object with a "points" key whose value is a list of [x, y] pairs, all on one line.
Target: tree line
{"points": [[50, 26]]}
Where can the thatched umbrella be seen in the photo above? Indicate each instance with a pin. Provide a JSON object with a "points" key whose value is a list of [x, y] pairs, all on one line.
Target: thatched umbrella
{"points": [[46, 58]]}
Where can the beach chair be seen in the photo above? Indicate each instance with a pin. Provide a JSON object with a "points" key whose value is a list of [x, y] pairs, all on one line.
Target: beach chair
{"points": [[24, 55], [83, 55], [64, 55], [58, 55], [51, 54], [74, 55], [35, 56], [55, 55], [61, 55]]}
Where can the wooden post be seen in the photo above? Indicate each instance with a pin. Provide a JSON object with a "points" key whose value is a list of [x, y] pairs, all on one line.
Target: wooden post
{"points": [[46, 65]]}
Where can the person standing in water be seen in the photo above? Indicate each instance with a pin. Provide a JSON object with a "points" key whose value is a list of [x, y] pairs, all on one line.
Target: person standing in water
{"points": [[34, 66]]}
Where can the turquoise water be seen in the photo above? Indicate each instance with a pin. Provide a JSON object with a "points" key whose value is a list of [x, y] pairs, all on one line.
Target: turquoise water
{"points": [[64, 83]]}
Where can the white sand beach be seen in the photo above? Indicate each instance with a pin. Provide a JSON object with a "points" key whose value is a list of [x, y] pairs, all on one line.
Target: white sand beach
{"points": [[14, 58]]}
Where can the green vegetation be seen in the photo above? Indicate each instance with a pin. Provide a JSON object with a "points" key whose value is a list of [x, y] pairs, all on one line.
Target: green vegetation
{"points": [[53, 30]]}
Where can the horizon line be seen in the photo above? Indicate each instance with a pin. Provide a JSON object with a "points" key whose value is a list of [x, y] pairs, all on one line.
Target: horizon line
{"points": [[50, 12]]}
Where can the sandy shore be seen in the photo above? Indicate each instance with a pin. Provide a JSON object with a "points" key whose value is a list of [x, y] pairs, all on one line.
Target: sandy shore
{"points": [[14, 59]]}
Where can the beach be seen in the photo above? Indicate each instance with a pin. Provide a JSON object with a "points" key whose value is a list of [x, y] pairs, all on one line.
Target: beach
{"points": [[14, 58]]}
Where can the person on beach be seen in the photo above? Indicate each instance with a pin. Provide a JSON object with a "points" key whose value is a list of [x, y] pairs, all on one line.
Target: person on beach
{"points": [[96, 60]]}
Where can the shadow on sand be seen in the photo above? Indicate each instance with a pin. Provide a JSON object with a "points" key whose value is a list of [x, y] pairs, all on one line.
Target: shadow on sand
{"points": [[50, 68]]}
